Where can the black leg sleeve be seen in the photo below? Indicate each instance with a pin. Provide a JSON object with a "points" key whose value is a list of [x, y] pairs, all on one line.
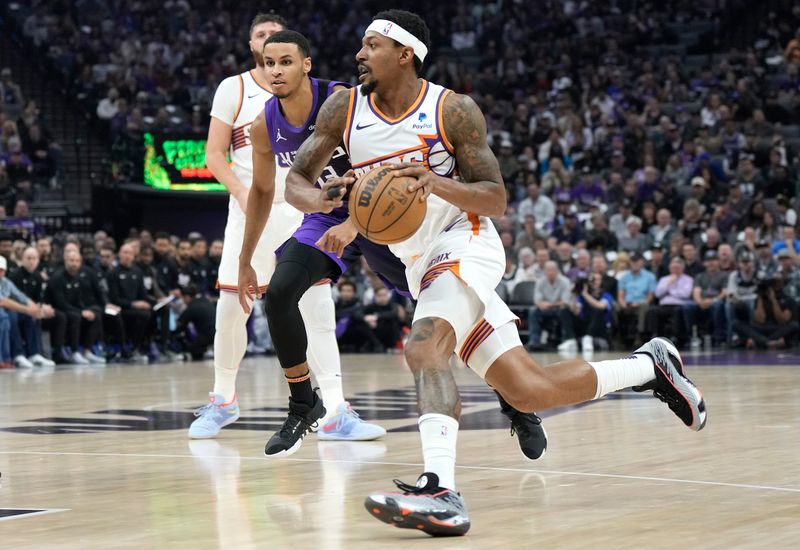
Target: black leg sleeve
{"points": [[299, 267]]}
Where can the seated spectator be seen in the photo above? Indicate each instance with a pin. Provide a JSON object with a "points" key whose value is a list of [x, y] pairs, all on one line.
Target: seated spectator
{"points": [[214, 259], [659, 262], [540, 206], [600, 238], [199, 266], [570, 231], [766, 265], [196, 326], [564, 256], [44, 154], [635, 242], [582, 267], [352, 331], [75, 291], [663, 229], [31, 282], [673, 292], [618, 223], [741, 293], [126, 290], [18, 327], [599, 265], [11, 97], [726, 261], [154, 294], [774, 318], [18, 165], [594, 313], [635, 295], [692, 263], [621, 265], [527, 268], [552, 299], [788, 240], [529, 234], [385, 318], [708, 295]]}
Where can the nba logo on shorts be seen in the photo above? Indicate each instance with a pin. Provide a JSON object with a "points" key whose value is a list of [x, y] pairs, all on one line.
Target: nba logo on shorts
{"points": [[444, 431], [387, 28]]}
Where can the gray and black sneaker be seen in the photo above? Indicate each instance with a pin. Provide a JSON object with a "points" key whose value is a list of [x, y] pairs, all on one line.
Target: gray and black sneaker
{"points": [[670, 384], [425, 506], [301, 420], [528, 428]]}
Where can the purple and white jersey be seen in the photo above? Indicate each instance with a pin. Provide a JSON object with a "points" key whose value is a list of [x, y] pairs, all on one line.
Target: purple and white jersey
{"points": [[286, 140]]}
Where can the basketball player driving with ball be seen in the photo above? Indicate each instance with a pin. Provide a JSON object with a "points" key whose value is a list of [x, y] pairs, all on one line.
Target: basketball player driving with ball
{"points": [[319, 250], [453, 264]]}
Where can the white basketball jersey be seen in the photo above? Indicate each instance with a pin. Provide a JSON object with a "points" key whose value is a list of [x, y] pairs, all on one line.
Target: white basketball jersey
{"points": [[238, 101], [417, 136]]}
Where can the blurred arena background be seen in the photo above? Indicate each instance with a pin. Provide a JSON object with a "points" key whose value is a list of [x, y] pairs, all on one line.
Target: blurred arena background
{"points": [[666, 129]]}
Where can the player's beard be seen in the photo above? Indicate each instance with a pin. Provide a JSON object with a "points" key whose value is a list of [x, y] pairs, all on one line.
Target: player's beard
{"points": [[258, 58], [369, 87]]}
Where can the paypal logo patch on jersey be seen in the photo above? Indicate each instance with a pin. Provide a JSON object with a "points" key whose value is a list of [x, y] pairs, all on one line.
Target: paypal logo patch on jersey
{"points": [[421, 124]]}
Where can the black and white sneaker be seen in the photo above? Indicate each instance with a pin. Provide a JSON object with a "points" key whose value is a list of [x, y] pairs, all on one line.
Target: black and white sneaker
{"points": [[425, 506], [528, 428], [301, 420], [670, 384]]}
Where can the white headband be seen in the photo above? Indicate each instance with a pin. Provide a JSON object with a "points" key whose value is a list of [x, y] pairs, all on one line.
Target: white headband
{"points": [[396, 32]]}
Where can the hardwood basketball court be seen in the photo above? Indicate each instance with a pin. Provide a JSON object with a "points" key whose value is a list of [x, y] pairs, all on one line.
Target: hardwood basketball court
{"points": [[99, 458]]}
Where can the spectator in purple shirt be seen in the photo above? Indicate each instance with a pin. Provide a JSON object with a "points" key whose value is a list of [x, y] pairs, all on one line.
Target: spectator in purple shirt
{"points": [[587, 191], [648, 185], [672, 292]]}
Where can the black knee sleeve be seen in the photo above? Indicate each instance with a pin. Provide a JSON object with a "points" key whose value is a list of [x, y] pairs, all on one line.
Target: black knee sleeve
{"points": [[299, 267]]}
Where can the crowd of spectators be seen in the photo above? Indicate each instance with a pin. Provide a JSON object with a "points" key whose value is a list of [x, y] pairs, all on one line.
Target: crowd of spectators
{"points": [[650, 159], [30, 158], [149, 298]]}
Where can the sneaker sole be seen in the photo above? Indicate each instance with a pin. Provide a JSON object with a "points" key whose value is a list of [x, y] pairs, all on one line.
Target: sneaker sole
{"points": [[691, 395], [287, 452], [211, 436], [393, 514], [335, 437]]}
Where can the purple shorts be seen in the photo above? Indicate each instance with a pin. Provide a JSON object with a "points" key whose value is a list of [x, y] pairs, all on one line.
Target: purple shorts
{"points": [[385, 264]]}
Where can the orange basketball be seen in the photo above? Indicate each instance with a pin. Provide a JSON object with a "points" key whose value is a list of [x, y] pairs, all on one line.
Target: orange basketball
{"points": [[382, 209]]}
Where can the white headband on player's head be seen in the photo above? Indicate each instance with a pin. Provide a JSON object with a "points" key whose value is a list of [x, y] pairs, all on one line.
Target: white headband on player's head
{"points": [[396, 32]]}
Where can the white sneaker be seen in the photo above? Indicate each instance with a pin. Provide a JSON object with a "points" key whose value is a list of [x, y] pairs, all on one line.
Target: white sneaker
{"points": [[94, 359], [78, 359], [22, 362], [568, 345], [41, 361], [587, 344]]}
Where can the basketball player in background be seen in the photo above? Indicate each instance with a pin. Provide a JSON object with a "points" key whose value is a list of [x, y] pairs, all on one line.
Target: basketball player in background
{"points": [[324, 246], [454, 262], [237, 102]]}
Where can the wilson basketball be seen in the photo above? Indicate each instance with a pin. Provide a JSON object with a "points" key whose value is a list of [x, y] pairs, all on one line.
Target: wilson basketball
{"points": [[382, 209]]}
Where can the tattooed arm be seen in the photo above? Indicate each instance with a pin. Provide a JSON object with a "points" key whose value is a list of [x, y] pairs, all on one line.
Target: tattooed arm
{"points": [[465, 127], [314, 154]]}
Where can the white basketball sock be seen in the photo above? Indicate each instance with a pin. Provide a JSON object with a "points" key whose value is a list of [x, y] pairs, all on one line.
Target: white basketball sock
{"points": [[617, 374], [319, 316], [230, 344], [439, 435]]}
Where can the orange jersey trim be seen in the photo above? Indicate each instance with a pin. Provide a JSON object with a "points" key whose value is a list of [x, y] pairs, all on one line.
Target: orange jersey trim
{"points": [[440, 122], [476, 223], [241, 98], [433, 273], [422, 91], [263, 85]]}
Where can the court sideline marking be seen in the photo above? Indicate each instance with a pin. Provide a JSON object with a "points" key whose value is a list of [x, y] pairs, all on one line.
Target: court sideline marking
{"points": [[411, 464]]}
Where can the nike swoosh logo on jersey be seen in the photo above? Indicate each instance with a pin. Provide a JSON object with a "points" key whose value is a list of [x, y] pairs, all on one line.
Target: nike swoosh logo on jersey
{"points": [[254, 95], [359, 127]]}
